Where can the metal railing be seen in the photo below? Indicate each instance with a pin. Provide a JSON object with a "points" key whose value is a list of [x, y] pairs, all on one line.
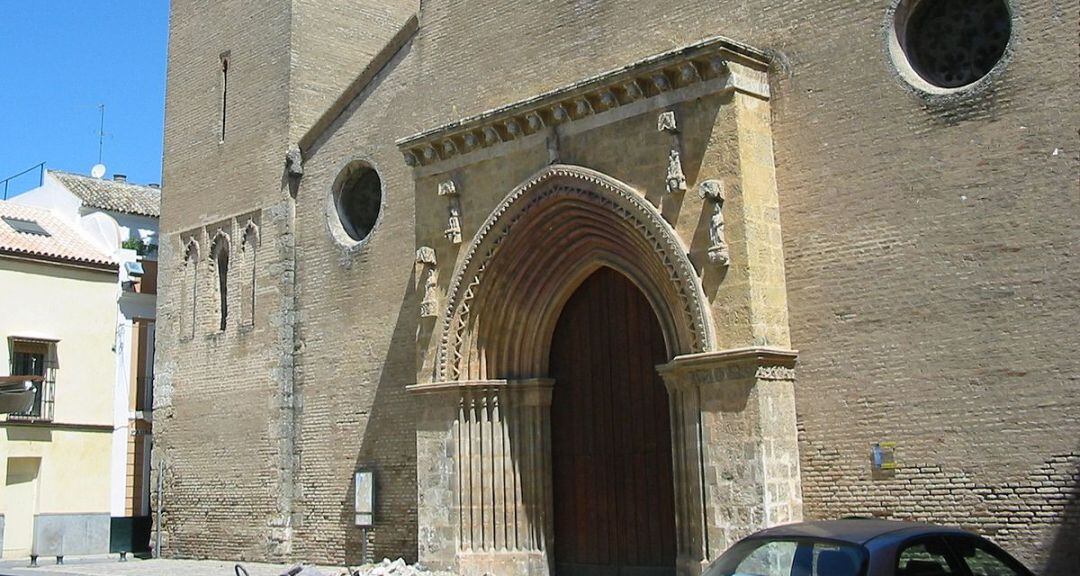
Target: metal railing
{"points": [[42, 408], [41, 177]]}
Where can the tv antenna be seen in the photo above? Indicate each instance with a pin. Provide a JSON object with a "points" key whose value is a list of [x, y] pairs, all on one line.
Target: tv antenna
{"points": [[99, 169]]}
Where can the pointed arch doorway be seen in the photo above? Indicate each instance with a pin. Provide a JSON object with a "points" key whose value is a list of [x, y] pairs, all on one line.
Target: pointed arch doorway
{"points": [[613, 490], [570, 259]]}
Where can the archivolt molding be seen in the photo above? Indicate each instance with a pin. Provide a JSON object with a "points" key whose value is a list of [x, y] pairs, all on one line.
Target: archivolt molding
{"points": [[613, 198]]}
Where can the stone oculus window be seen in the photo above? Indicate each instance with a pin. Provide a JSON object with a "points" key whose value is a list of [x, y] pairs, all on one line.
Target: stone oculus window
{"points": [[356, 203], [941, 46]]}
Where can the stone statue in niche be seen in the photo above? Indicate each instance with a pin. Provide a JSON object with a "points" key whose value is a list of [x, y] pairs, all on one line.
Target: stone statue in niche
{"points": [[453, 230], [676, 179], [453, 227], [429, 307], [712, 191]]}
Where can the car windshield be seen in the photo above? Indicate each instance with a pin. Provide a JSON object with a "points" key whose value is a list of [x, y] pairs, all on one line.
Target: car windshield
{"points": [[790, 557]]}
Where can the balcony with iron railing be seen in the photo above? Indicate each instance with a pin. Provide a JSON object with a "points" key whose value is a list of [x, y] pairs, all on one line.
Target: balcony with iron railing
{"points": [[41, 409]]}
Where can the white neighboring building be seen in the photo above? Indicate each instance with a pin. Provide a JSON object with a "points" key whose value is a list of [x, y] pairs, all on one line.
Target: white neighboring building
{"points": [[122, 218]]}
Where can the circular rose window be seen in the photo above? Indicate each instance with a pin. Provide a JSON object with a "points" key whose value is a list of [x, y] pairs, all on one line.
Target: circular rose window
{"points": [[358, 199], [952, 43]]}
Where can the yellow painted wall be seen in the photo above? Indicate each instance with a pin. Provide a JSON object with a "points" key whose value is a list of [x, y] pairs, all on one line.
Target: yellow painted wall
{"points": [[74, 472], [77, 307]]}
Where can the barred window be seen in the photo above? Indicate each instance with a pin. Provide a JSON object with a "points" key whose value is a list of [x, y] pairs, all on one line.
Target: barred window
{"points": [[31, 357]]}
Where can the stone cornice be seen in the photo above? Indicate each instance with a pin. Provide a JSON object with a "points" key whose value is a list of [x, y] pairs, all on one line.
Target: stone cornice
{"points": [[736, 66], [480, 385], [763, 363], [520, 392]]}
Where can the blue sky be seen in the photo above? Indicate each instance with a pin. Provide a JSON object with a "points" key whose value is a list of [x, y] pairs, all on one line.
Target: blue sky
{"points": [[61, 59]]}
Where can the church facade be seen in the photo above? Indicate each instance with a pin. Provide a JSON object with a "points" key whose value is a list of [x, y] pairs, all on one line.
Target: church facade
{"points": [[582, 287]]}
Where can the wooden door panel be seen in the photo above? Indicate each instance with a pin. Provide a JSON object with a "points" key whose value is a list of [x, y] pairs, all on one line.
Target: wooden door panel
{"points": [[611, 447]]}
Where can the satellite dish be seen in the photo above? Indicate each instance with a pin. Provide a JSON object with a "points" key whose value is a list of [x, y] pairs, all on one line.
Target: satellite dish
{"points": [[98, 170]]}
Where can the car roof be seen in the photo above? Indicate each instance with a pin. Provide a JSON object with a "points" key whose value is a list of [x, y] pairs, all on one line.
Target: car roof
{"points": [[854, 530]]}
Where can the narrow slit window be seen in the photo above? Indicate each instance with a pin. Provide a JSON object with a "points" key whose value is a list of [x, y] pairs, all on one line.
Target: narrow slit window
{"points": [[190, 289], [221, 258], [224, 92], [249, 248]]}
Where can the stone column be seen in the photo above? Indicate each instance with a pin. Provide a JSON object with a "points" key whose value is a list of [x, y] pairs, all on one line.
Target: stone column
{"points": [[735, 447], [484, 476]]}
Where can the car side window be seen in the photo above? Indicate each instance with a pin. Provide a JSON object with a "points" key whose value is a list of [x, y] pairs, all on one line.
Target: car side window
{"points": [[925, 557], [982, 559], [798, 557], [772, 559]]}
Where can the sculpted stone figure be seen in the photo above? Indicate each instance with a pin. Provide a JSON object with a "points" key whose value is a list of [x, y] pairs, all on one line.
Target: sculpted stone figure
{"points": [[453, 230], [429, 307], [713, 191], [453, 227], [676, 180]]}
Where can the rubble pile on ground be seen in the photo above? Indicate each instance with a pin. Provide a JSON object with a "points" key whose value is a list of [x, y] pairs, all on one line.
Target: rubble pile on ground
{"points": [[396, 568]]}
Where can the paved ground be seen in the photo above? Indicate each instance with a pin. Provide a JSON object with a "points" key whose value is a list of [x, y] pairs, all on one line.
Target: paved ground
{"points": [[111, 566]]}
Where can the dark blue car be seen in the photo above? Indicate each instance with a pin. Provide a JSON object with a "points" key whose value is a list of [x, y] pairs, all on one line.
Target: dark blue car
{"points": [[865, 547]]}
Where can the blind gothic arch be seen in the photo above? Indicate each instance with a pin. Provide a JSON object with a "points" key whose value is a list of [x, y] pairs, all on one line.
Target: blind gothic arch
{"points": [[536, 247]]}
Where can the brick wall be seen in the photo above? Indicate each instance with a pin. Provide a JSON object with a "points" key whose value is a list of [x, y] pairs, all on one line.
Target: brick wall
{"points": [[931, 275]]}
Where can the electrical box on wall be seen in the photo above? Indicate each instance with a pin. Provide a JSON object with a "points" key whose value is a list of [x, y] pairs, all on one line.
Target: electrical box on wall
{"points": [[364, 497], [883, 456]]}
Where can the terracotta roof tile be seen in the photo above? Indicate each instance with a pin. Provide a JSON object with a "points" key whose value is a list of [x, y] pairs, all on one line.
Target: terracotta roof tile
{"points": [[60, 241], [112, 195]]}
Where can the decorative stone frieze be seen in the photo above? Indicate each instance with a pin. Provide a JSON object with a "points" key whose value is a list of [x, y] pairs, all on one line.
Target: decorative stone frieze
{"points": [[425, 257], [713, 192], [652, 77], [453, 226]]}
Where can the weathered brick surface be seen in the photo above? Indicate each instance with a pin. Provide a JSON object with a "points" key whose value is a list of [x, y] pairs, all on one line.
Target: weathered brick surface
{"points": [[929, 254]]}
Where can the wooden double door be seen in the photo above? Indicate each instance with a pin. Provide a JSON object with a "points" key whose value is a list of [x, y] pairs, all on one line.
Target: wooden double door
{"points": [[611, 435]]}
